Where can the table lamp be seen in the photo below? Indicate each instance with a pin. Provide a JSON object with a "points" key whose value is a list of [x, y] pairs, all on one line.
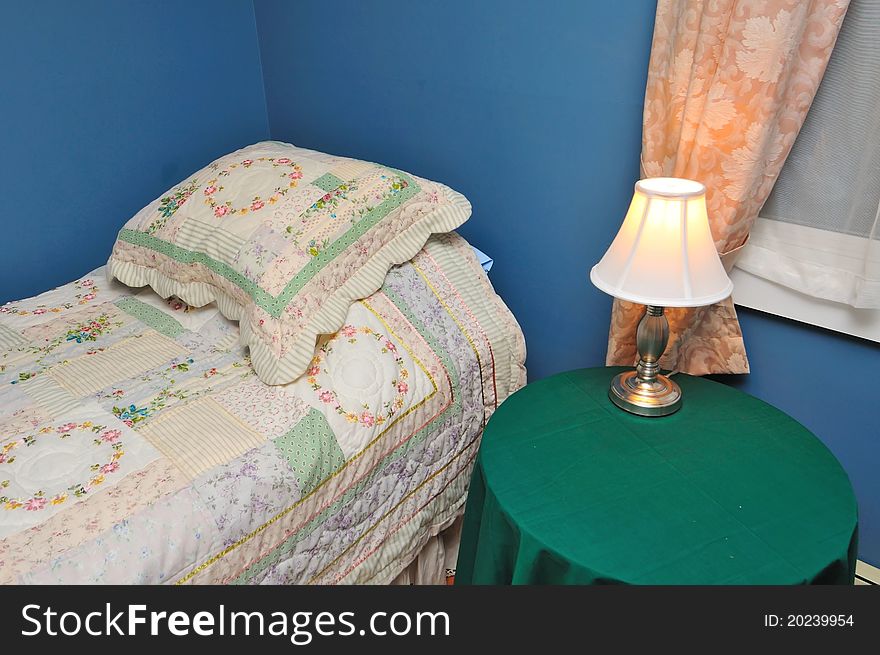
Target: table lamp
{"points": [[663, 256]]}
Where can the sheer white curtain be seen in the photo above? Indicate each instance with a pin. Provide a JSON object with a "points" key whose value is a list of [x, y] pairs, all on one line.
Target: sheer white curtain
{"points": [[819, 231]]}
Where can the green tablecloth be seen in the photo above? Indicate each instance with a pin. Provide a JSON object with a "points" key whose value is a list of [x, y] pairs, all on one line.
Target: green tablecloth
{"points": [[569, 489]]}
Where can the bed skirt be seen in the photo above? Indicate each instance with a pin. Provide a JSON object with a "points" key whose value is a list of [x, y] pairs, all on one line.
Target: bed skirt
{"points": [[435, 563]]}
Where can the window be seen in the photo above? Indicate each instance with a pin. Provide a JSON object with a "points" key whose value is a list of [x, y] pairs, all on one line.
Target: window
{"points": [[814, 252]]}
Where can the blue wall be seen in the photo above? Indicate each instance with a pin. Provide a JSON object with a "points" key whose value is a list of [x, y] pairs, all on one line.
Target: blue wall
{"points": [[105, 105], [529, 109], [532, 110]]}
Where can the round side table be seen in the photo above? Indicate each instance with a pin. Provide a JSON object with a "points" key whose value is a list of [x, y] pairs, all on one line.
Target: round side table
{"points": [[569, 489]]}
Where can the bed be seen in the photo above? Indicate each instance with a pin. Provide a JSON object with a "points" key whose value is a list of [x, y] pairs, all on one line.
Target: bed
{"points": [[138, 446]]}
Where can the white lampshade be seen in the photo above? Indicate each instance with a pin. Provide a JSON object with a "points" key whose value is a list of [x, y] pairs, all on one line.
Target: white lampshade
{"points": [[664, 254]]}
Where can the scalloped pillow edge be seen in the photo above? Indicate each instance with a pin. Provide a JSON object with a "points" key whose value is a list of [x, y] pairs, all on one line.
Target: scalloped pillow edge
{"points": [[270, 368]]}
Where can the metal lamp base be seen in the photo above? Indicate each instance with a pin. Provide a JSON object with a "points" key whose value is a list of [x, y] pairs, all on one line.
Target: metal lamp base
{"points": [[657, 397], [645, 391]]}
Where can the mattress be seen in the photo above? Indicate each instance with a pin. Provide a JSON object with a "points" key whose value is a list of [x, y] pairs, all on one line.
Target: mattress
{"points": [[138, 446]]}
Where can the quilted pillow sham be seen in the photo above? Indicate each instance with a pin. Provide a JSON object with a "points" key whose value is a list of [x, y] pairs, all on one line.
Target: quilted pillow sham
{"points": [[284, 240]]}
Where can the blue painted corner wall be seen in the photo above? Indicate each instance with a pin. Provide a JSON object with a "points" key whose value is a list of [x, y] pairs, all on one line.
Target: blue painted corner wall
{"points": [[106, 105]]}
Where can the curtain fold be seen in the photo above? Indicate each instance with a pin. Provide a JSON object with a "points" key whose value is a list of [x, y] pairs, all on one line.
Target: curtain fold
{"points": [[729, 85]]}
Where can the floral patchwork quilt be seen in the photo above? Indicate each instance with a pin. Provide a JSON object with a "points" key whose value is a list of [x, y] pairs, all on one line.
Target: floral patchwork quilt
{"points": [[138, 446]]}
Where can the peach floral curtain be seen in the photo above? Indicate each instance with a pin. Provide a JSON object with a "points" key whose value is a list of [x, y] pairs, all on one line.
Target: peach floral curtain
{"points": [[729, 86]]}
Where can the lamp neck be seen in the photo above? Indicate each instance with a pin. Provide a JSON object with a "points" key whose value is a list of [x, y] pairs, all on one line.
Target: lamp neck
{"points": [[651, 339]]}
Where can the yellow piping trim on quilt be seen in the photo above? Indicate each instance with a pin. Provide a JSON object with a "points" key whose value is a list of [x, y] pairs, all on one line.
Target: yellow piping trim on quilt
{"points": [[454, 318], [450, 312], [405, 346], [204, 565]]}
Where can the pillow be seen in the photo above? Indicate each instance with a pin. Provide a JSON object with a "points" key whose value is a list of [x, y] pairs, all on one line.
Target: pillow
{"points": [[284, 240]]}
